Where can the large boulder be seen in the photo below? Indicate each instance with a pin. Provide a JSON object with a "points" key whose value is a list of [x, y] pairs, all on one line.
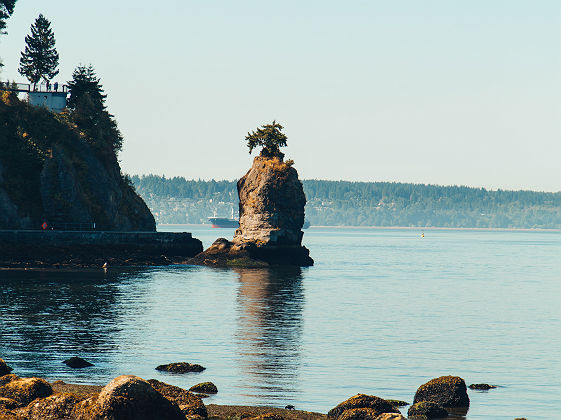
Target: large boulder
{"points": [[25, 390], [426, 410], [363, 401], [128, 397], [4, 368], [54, 407], [189, 403], [446, 391]]}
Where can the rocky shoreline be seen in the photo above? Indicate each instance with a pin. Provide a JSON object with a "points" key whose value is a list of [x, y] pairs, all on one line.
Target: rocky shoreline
{"points": [[131, 397]]}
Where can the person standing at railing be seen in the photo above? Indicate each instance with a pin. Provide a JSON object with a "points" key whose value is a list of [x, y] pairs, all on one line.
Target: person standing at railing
{"points": [[56, 86]]}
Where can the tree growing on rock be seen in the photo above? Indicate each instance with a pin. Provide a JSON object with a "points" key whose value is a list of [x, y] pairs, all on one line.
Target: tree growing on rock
{"points": [[40, 58], [270, 137]]}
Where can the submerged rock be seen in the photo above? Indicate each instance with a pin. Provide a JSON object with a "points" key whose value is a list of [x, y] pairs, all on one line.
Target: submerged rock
{"points": [[482, 387], [128, 397], [363, 401], [271, 212], [180, 367], [4, 368], [426, 410], [77, 363], [204, 387], [446, 391]]}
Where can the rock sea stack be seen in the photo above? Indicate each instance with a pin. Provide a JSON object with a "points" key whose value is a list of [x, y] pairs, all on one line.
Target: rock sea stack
{"points": [[376, 404], [271, 212], [446, 391], [180, 367]]}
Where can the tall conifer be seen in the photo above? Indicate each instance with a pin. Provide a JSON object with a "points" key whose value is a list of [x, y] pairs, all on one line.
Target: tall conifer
{"points": [[40, 58]]}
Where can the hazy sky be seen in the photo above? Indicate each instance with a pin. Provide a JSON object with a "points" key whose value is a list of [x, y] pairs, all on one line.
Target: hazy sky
{"points": [[432, 91]]}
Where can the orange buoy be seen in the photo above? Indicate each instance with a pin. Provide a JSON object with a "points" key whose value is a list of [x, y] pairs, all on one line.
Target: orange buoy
{"points": [[44, 225]]}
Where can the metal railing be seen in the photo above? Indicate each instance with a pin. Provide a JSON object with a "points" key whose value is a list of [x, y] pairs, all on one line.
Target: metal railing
{"points": [[28, 87], [68, 226]]}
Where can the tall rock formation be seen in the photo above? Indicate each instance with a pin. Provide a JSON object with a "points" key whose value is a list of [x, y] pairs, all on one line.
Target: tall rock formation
{"points": [[271, 210], [272, 204]]}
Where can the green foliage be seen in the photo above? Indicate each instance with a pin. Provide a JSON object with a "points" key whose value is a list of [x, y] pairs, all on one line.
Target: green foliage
{"points": [[85, 82], [6, 10], [270, 137], [343, 203], [89, 113], [40, 58]]}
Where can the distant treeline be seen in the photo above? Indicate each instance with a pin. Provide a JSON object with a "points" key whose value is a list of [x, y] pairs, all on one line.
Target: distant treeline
{"points": [[344, 203]]}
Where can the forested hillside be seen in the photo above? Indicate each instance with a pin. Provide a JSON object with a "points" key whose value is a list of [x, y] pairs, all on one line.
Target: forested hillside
{"points": [[343, 203]]}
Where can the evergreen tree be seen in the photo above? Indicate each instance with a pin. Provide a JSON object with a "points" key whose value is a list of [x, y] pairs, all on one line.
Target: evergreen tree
{"points": [[40, 58], [88, 110], [6, 10], [85, 81], [270, 137]]}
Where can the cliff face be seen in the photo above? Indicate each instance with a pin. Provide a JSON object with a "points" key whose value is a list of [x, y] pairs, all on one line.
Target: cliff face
{"points": [[272, 204], [50, 172]]}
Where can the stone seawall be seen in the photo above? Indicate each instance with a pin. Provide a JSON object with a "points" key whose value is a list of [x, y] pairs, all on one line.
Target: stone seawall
{"points": [[23, 248]]}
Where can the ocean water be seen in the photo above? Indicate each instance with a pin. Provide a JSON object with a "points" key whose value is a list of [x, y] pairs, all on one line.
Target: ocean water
{"points": [[381, 312]]}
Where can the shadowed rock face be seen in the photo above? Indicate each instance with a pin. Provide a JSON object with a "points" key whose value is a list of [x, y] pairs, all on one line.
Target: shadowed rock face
{"points": [[272, 204]]}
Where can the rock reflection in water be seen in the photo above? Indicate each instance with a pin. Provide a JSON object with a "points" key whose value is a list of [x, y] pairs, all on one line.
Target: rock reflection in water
{"points": [[270, 305], [46, 317]]}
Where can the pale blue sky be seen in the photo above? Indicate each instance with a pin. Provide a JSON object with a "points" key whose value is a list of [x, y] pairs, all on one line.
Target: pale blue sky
{"points": [[433, 91]]}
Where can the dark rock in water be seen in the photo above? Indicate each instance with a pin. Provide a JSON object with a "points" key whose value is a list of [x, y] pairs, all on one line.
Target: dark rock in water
{"points": [[482, 387], [205, 387], [271, 212], [363, 401], [24, 390], [4, 368], [189, 403], [398, 403], [289, 407], [128, 397], [426, 410], [446, 391], [77, 363], [180, 367]]}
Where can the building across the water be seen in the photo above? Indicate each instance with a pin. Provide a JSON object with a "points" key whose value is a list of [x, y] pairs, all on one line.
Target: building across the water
{"points": [[54, 99]]}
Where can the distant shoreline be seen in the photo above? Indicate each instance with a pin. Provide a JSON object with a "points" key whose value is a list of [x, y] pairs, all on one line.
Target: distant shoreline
{"points": [[483, 229]]}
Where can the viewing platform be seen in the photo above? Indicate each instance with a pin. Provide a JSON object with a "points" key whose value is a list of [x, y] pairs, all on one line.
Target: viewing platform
{"points": [[51, 96]]}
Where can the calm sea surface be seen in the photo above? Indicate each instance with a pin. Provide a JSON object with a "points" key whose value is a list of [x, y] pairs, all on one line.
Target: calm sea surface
{"points": [[381, 312]]}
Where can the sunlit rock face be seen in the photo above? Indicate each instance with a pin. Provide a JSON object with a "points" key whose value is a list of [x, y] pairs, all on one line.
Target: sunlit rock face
{"points": [[272, 204]]}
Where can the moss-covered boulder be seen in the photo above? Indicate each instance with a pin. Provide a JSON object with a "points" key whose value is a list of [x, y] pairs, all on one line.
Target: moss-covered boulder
{"points": [[204, 387], [4, 368], [189, 403], [25, 390], [54, 407], [446, 391], [363, 401], [128, 397], [426, 410]]}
